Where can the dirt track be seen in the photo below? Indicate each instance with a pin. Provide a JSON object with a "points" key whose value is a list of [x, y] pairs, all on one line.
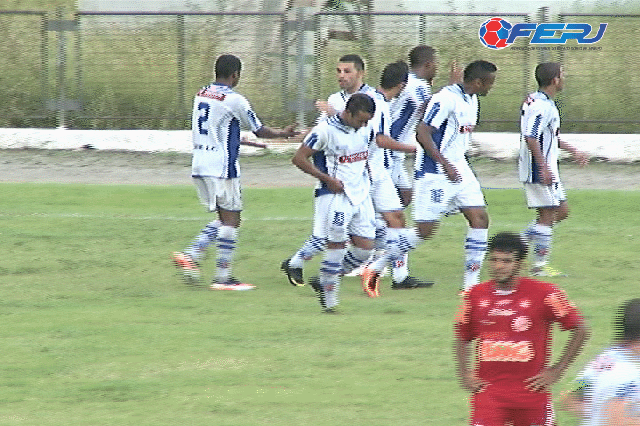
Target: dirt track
{"points": [[271, 170]]}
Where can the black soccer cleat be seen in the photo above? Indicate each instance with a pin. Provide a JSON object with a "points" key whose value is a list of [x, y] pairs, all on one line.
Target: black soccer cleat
{"points": [[294, 275], [410, 283]]}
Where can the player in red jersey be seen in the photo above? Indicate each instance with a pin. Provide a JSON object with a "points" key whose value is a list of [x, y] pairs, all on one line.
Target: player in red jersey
{"points": [[510, 319]]}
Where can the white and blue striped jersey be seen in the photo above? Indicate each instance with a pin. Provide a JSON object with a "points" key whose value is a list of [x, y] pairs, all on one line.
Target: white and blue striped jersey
{"points": [[380, 123], [614, 374], [342, 152], [406, 113], [218, 115], [539, 120], [454, 114]]}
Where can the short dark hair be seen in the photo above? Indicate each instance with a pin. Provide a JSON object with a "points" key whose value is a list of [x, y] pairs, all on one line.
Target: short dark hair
{"points": [[478, 69], [546, 72], [360, 102], [355, 59], [394, 74], [421, 54], [226, 65], [627, 322], [509, 242]]}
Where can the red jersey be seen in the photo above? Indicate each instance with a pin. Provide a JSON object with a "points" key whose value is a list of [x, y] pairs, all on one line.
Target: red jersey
{"points": [[513, 331]]}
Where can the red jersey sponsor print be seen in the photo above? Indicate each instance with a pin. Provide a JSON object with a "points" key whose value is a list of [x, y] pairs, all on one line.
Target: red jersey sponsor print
{"points": [[513, 331]]}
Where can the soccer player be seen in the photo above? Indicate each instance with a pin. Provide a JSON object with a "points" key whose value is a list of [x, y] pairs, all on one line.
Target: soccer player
{"points": [[538, 163], [509, 319], [609, 387], [407, 110], [218, 114], [443, 179], [343, 210], [350, 73]]}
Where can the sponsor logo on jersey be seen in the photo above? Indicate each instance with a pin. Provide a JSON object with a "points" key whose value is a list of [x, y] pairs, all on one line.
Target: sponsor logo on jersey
{"points": [[496, 350], [525, 303], [503, 302], [212, 95], [358, 156], [496, 312]]}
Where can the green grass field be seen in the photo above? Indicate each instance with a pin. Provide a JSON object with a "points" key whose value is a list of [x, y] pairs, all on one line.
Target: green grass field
{"points": [[97, 329]]}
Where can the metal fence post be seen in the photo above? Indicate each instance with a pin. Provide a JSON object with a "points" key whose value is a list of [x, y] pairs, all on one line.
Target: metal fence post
{"points": [[181, 66]]}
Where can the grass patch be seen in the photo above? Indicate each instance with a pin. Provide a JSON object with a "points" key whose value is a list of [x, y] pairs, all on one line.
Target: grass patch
{"points": [[97, 328]]}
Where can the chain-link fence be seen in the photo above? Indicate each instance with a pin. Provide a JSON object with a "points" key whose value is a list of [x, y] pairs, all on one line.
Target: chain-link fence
{"points": [[140, 70]]}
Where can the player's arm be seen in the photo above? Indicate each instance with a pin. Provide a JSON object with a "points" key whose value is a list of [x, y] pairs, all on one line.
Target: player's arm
{"points": [[271, 133], [301, 159], [550, 375], [424, 136], [580, 157], [467, 376], [387, 142], [538, 157], [621, 411]]}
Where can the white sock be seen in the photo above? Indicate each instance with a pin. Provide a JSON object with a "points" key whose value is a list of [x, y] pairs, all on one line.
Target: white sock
{"points": [[399, 242], [330, 270], [203, 240], [475, 247], [400, 268], [227, 237], [541, 244], [309, 249], [353, 258]]}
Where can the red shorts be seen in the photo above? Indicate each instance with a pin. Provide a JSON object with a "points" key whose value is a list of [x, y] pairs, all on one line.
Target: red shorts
{"points": [[491, 410]]}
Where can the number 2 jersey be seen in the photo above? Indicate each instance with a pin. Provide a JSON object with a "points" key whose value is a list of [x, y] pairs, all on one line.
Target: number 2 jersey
{"points": [[218, 115], [513, 332]]}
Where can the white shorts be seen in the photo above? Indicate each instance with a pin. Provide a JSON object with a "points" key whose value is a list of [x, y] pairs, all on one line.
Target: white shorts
{"points": [[540, 196], [434, 195], [384, 194], [336, 219], [400, 176], [219, 192]]}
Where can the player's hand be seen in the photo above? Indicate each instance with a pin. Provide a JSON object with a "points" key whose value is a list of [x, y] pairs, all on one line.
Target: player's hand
{"points": [[335, 185], [323, 106], [545, 174], [543, 381], [472, 383], [289, 131], [452, 173], [455, 73], [580, 157]]}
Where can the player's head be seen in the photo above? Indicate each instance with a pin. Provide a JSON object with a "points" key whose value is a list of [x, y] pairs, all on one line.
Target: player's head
{"points": [[507, 252], [422, 60], [228, 68], [479, 77], [627, 322], [394, 78], [350, 72], [550, 73], [359, 110]]}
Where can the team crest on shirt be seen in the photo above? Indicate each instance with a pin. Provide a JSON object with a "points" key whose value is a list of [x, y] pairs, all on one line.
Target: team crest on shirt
{"points": [[521, 324]]}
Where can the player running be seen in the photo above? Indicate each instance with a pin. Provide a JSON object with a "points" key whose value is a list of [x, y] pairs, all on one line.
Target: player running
{"points": [[350, 72], [218, 114], [443, 178], [343, 210], [508, 320], [538, 163]]}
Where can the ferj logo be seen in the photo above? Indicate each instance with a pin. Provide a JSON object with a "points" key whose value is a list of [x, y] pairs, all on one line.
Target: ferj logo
{"points": [[498, 33]]}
